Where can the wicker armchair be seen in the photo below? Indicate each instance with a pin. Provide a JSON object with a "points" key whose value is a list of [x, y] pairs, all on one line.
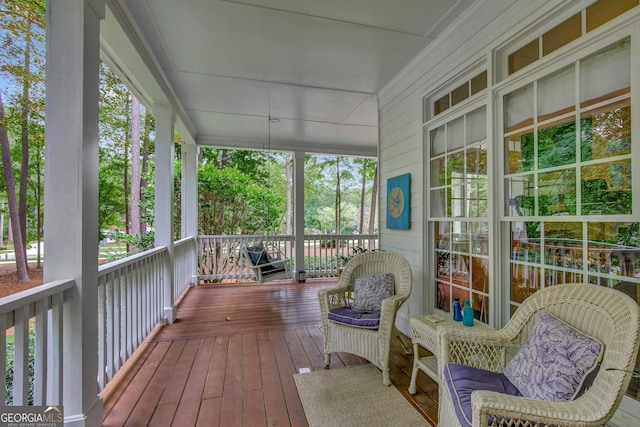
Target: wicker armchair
{"points": [[603, 313], [373, 345]]}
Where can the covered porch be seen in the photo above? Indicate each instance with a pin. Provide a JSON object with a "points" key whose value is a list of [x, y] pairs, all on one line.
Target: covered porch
{"points": [[207, 370], [390, 84]]}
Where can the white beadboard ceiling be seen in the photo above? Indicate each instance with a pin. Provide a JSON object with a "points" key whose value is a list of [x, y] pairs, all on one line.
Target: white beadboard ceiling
{"points": [[228, 65]]}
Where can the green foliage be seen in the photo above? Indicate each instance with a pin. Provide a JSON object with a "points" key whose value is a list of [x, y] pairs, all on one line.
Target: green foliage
{"points": [[22, 60], [344, 259], [231, 202], [138, 242], [251, 163], [557, 145], [10, 368], [111, 201], [334, 184], [629, 235]]}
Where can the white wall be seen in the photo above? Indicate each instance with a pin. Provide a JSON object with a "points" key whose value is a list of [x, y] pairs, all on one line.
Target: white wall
{"points": [[468, 44]]}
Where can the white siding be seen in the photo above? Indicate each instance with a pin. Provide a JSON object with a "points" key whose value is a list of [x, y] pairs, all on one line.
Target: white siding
{"points": [[466, 48]]}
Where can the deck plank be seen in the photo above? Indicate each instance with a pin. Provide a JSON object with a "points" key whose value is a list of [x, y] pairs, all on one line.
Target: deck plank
{"points": [[275, 402], [232, 398], [189, 405], [229, 360], [218, 366]]}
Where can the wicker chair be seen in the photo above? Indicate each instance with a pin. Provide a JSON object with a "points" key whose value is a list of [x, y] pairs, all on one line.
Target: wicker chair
{"points": [[603, 313], [373, 345]]}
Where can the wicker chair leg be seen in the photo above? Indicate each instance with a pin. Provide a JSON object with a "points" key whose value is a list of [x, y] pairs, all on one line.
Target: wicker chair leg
{"points": [[386, 380], [327, 360]]}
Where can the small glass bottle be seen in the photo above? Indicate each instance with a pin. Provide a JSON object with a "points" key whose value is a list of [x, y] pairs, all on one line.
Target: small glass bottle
{"points": [[457, 310], [467, 318]]}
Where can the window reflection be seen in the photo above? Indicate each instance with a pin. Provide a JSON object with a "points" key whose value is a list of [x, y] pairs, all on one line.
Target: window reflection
{"points": [[519, 149], [606, 132], [557, 192], [557, 145], [606, 188], [459, 191]]}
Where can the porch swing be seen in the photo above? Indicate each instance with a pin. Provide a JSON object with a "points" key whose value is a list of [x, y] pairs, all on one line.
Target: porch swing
{"points": [[263, 256], [266, 261]]}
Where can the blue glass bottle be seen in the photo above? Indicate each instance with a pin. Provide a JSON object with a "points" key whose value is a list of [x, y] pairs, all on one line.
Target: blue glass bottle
{"points": [[467, 317], [457, 310]]}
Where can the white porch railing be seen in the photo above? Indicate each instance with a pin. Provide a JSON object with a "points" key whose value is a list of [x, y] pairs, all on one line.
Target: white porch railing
{"points": [[43, 306], [184, 264], [219, 257], [129, 305]]}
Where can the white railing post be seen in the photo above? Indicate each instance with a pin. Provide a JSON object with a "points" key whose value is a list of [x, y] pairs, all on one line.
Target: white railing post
{"points": [[54, 355], [165, 120]]}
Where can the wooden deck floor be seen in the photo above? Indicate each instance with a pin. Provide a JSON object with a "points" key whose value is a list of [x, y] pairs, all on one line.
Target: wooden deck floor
{"points": [[229, 360]]}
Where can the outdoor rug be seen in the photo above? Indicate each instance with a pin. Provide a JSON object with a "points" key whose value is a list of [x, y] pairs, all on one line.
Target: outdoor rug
{"points": [[354, 396]]}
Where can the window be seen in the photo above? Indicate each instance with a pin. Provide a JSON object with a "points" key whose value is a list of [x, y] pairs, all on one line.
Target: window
{"points": [[458, 188], [600, 12], [567, 163], [457, 95]]}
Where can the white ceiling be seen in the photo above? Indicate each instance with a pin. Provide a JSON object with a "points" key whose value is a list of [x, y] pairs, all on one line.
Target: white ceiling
{"points": [[316, 65]]}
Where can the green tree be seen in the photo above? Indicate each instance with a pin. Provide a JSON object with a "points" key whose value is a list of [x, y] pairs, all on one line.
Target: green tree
{"points": [[231, 202], [22, 28], [115, 134], [368, 169], [21, 262]]}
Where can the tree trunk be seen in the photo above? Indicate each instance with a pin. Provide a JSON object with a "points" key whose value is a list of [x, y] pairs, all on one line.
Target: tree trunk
{"points": [[146, 148], [134, 200], [9, 232], [38, 212], [338, 195], [287, 171], [127, 211], [2, 221], [363, 190], [19, 249], [288, 214], [374, 199], [24, 126]]}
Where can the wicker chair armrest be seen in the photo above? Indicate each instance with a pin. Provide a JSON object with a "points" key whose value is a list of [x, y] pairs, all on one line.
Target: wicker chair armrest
{"points": [[516, 411], [393, 302], [483, 349], [336, 297], [388, 311]]}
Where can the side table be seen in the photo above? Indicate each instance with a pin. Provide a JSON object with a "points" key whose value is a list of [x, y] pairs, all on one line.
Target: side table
{"points": [[424, 332]]}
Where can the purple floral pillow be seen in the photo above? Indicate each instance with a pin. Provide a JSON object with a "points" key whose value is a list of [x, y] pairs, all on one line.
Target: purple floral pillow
{"points": [[554, 361], [369, 291]]}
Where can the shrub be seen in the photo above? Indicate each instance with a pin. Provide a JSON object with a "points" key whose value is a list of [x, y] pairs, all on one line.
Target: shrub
{"points": [[10, 365]]}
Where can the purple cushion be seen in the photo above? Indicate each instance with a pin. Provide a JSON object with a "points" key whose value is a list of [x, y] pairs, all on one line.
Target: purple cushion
{"points": [[463, 380], [351, 317], [554, 362]]}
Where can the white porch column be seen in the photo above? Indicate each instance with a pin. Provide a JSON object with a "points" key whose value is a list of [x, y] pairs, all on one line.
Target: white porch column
{"points": [[71, 194], [165, 122], [189, 224], [189, 220], [298, 207]]}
